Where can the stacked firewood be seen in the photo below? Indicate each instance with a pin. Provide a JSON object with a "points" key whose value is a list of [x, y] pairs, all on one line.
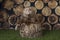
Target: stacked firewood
{"points": [[30, 17]]}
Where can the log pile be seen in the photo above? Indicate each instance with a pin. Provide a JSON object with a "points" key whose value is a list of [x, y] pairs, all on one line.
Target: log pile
{"points": [[30, 17]]}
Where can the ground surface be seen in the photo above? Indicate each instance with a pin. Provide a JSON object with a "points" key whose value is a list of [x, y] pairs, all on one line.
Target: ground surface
{"points": [[14, 35]]}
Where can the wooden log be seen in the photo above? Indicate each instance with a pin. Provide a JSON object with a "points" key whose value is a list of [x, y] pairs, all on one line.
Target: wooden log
{"points": [[39, 4], [8, 4], [52, 4], [27, 4], [57, 10], [56, 26], [53, 19], [46, 11]]}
